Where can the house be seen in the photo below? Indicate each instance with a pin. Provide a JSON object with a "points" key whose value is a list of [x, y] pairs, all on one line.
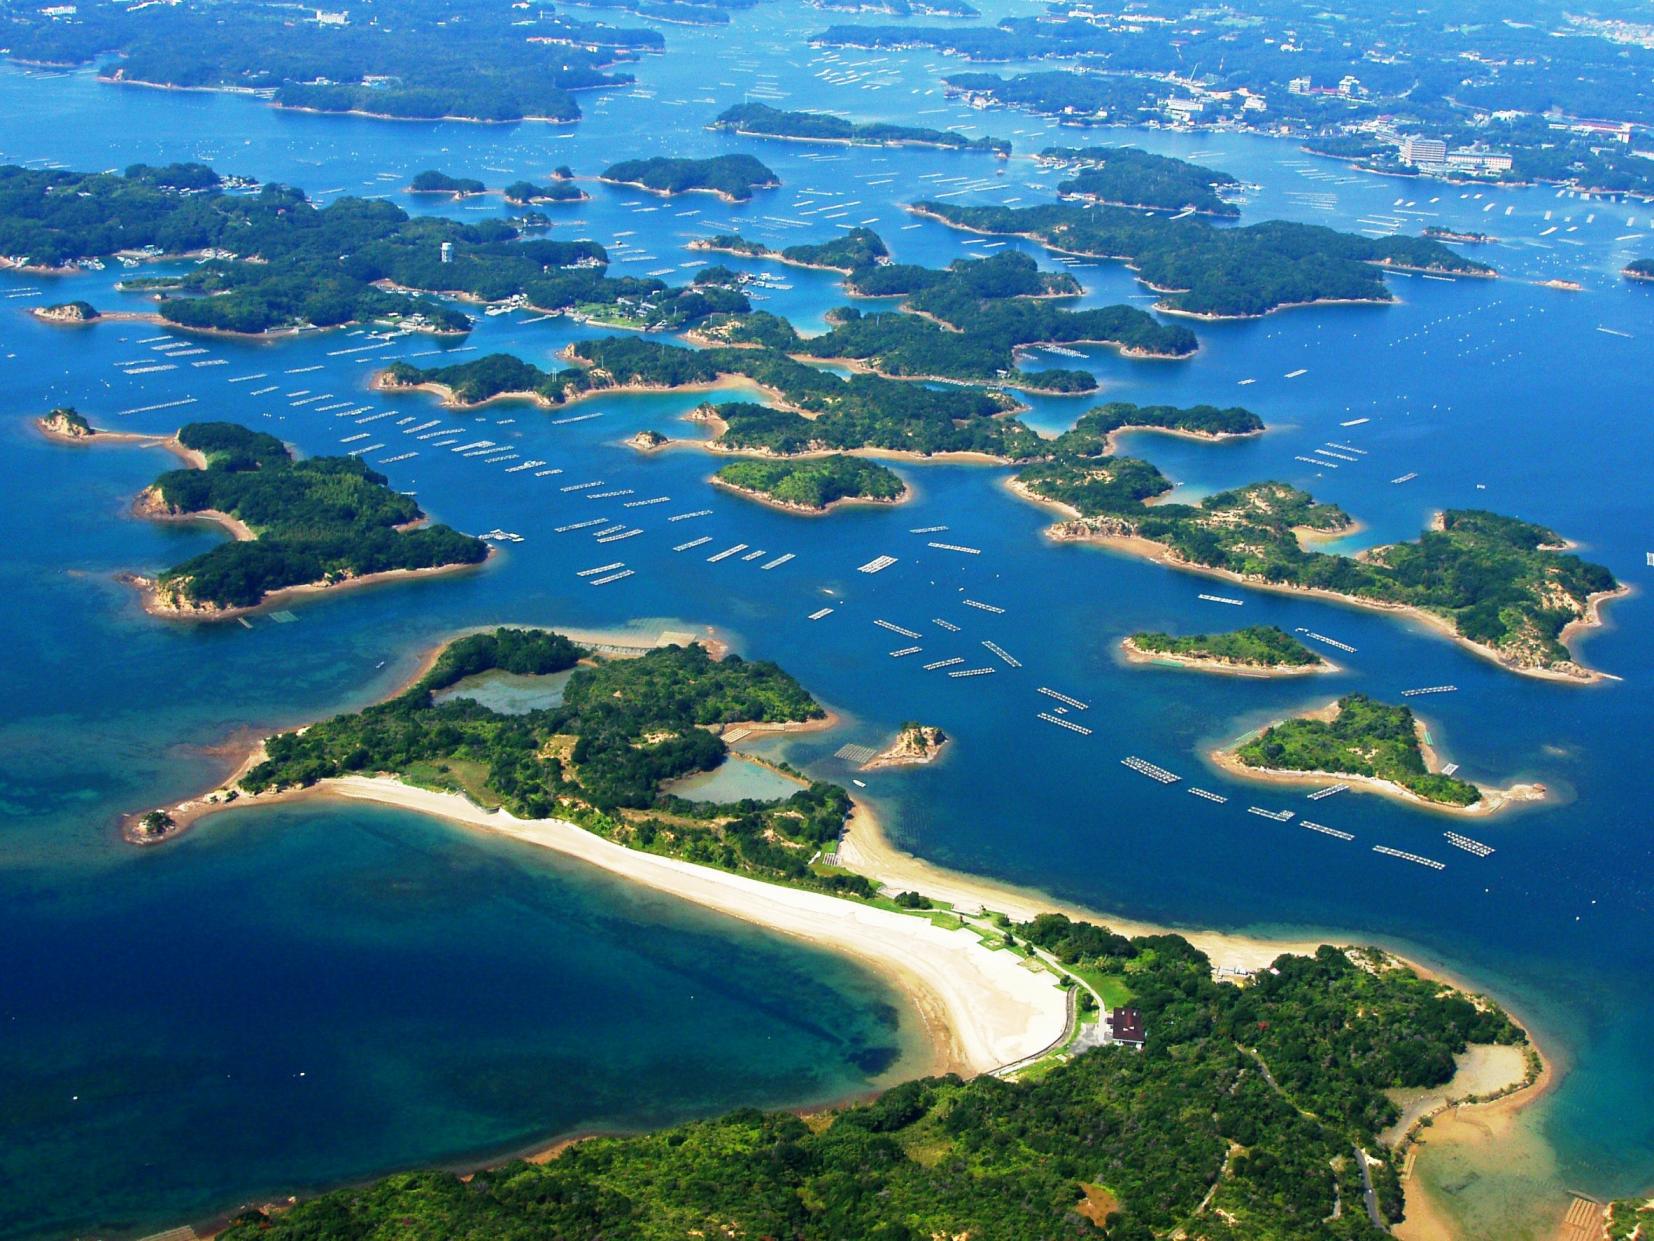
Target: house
{"points": [[1125, 1026]]}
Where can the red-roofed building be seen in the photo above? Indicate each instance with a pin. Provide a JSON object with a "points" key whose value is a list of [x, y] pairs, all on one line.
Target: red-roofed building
{"points": [[1125, 1025]]}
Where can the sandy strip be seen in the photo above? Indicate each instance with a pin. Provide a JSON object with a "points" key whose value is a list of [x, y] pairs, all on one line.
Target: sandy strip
{"points": [[867, 850], [983, 1008]]}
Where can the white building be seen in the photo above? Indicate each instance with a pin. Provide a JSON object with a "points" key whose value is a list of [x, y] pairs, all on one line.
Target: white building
{"points": [[1422, 152]]}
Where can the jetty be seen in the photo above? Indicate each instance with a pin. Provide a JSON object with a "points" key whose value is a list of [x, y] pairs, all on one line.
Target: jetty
{"points": [[1144, 768], [1410, 857]]}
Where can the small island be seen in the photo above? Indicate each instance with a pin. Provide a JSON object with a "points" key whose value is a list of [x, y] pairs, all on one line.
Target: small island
{"points": [[66, 423], [915, 746], [434, 182], [1435, 232], [857, 248], [1140, 180], [1639, 269], [814, 484], [1372, 745], [299, 526], [528, 194], [762, 121], [648, 441], [67, 312], [732, 178], [1258, 650]]}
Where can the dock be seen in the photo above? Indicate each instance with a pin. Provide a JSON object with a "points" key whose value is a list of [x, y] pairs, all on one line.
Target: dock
{"points": [[1328, 791], [1062, 723], [1410, 857], [1144, 768], [1467, 844], [1325, 830]]}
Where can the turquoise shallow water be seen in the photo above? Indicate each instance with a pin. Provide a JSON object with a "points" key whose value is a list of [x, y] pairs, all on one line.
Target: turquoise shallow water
{"points": [[447, 996]]}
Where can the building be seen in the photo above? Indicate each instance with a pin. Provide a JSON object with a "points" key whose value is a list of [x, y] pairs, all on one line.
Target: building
{"points": [[1478, 159], [1185, 109], [1423, 152], [1298, 86], [1125, 1026], [1255, 103], [1349, 86], [446, 252], [325, 18]]}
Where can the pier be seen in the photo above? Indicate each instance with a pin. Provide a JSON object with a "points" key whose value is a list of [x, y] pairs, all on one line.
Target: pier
{"points": [[877, 565], [1217, 798], [1223, 599], [1280, 816], [1467, 844], [1328, 791]]}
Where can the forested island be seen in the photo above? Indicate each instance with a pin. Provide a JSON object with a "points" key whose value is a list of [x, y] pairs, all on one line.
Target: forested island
{"points": [[275, 261], [761, 120], [1219, 273], [1639, 269], [971, 321], [77, 311], [531, 194], [404, 60], [1506, 588], [814, 484], [313, 523], [1131, 177], [678, 12], [1257, 650], [1358, 738], [1286, 1074], [434, 182], [732, 178]]}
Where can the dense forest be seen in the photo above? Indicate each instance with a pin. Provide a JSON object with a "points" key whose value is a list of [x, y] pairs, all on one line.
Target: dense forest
{"points": [[276, 260], [1130, 177], [402, 60], [435, 182], [815, 483], [1364, 738], [322, 519], [865, 411], [761, 120], [733, 177], [1243, 1118], [968, 321], [528, 193], [1258, 646], [1206, 270], [624, 729]]}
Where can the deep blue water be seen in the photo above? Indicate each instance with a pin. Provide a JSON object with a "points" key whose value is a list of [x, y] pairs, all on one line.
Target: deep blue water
{"points": [[446, 996]]}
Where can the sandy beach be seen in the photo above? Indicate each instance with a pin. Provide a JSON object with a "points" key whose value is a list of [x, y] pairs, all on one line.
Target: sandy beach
{"points": [[982, 1009]]}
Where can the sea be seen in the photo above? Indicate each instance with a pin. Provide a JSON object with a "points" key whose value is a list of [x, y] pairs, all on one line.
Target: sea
{"points": [[294, 998]]}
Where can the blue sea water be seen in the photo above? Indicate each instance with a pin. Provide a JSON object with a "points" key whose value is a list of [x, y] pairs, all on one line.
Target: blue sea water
{"points": [[445, 996]]}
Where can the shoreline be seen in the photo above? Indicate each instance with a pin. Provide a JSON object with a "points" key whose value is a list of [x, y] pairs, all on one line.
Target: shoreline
{"points": [[1223, 667], [1160, 553], [804, 510], [721, 195], [1493, 800]]}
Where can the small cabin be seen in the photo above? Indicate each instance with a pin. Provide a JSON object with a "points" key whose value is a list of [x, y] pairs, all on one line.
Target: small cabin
{"points": [[1125, 1025]]}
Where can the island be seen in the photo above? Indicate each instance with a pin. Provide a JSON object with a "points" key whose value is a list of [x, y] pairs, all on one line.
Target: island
{"points": [[434, 182], [759, 120], [1371, 744], [1505, 588], [66, 423], [1638, 269], [276, 262], [1257, 650], [67, 312], [732, 178], [530, 194], [974, 321], [901, 8], [814, 484], [916, 745], [1208, 272], [1435, 232], [1131, 177], [856, 249], [299, 526], [495, 66]]}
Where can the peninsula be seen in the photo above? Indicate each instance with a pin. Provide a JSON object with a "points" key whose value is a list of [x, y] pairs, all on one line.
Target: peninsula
{"points": [[298, 526], [814, 485], [759, 120], [1258, 650], [1371, 744], [1639, 269], [732, 178], [585, 778]]}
